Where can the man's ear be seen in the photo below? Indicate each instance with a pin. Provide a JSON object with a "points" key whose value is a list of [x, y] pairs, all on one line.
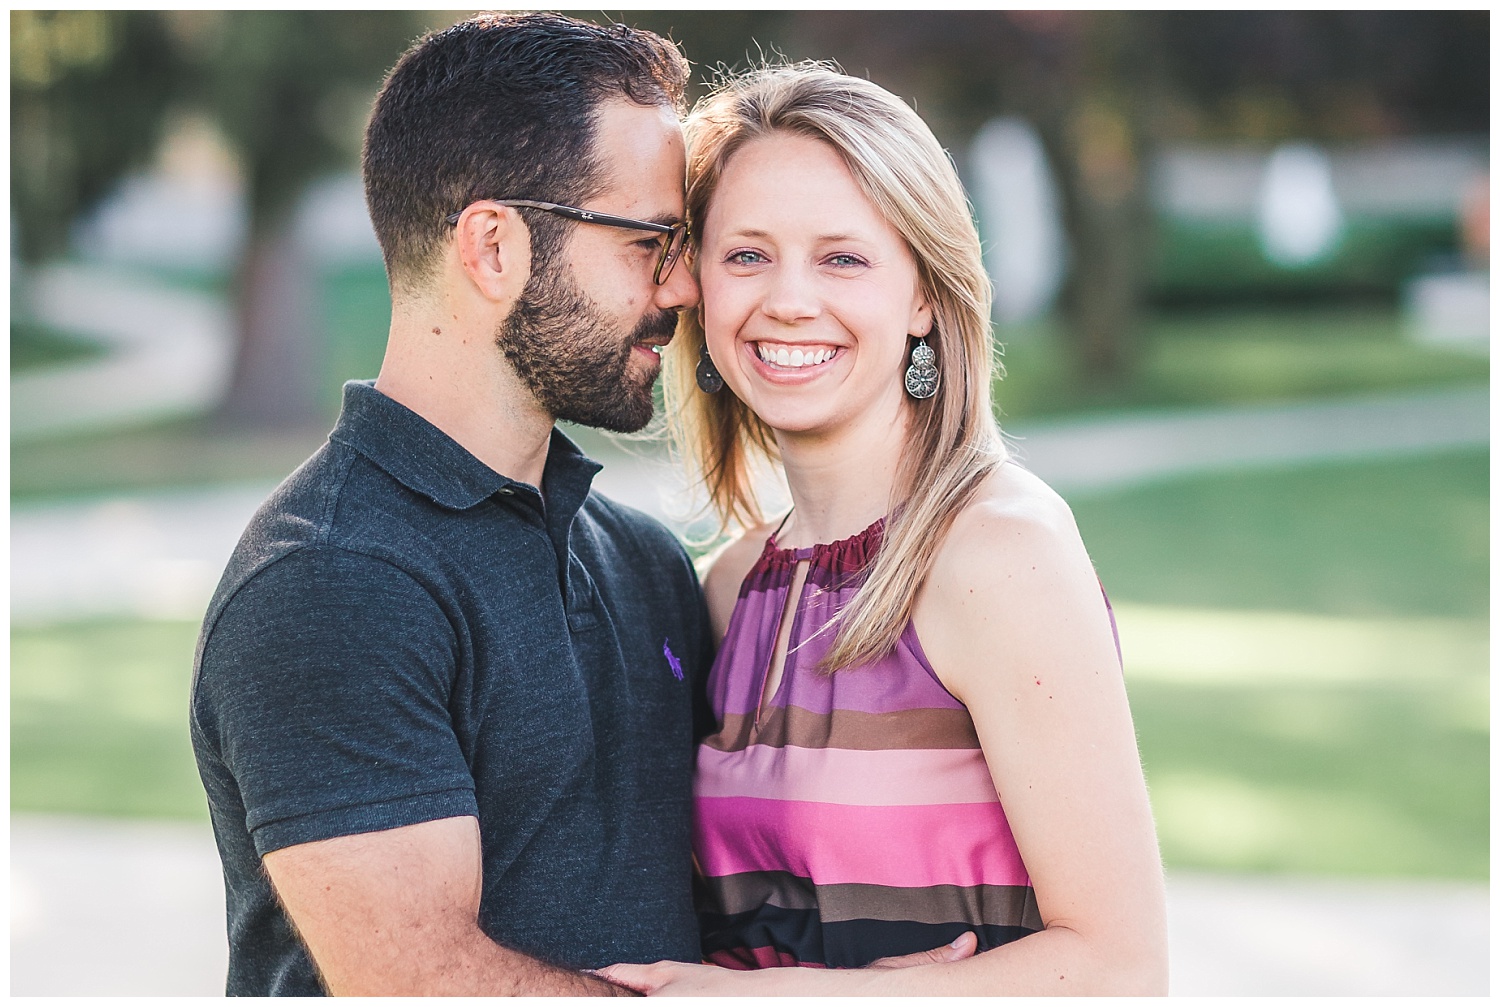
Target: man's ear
{"points": [[494, 248]]}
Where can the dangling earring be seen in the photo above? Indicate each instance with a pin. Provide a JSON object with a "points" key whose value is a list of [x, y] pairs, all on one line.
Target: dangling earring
{"points": [[708, 375], [922, 374]]}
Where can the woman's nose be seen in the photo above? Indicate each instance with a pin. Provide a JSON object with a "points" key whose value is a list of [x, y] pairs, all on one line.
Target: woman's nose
{"points": [[790, 295]]}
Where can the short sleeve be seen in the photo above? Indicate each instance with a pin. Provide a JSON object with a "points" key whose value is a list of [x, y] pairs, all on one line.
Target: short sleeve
{"points": [[324, 685]]}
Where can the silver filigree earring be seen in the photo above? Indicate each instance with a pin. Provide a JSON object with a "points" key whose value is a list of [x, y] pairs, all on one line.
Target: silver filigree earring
{"points": [[709, 379], [922, 374]]}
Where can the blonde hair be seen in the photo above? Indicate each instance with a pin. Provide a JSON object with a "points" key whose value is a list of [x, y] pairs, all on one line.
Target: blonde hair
{"points": [[954, 441]]}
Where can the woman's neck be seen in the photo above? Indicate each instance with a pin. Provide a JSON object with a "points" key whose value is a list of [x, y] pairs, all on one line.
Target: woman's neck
{"points": [[841, 482]]}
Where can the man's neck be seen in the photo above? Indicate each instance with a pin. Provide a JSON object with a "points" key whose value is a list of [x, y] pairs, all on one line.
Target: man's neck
{"points": [[457, 379]]}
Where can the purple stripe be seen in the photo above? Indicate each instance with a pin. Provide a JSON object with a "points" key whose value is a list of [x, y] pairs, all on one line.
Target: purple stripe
{"points": [[885, 685]]}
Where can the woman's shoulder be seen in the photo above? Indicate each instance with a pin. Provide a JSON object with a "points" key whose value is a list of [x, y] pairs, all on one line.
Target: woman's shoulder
{"points": [[1012, 507], [1012, 576], [724, 569], [1014, 530]]}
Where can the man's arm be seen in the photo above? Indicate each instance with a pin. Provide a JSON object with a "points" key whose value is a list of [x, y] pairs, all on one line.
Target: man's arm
{"points": [[395, 913]]}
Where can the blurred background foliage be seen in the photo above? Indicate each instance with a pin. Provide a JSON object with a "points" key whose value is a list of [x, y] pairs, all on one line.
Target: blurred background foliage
{"points": [[1168, 296]]}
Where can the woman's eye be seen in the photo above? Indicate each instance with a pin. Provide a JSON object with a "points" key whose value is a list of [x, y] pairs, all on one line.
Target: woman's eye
{"points": [[744, 257], [845, 259]]}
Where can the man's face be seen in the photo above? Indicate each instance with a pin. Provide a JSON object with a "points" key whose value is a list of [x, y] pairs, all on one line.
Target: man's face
{"points": [[585, 332]]}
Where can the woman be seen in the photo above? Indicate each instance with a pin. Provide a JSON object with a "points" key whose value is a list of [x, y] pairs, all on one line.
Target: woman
{"points": [[922, 724]]}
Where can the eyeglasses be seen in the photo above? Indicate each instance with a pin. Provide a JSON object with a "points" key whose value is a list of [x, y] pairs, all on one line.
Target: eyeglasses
{"points": [[671, 246]]}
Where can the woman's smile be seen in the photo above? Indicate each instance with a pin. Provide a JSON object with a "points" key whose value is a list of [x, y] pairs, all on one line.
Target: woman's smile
{"points": [[782, 357]]}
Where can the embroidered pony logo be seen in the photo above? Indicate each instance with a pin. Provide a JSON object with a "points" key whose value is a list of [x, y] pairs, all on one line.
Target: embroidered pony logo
{"points": [[672, 662]]}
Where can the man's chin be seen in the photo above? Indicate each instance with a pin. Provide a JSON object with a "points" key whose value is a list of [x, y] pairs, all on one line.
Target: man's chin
{"points": [[626, 417]]}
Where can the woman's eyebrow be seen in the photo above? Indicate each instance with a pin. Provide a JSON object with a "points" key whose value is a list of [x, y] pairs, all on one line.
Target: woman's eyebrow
{"points": [[751, 232]]}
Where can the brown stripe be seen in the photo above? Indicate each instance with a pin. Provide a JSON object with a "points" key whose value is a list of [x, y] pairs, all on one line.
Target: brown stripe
{"points": [[848, 729], [996, 905]]}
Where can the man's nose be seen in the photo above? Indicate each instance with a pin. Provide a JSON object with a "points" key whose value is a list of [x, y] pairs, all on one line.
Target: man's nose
{"points": [[680, 291]]}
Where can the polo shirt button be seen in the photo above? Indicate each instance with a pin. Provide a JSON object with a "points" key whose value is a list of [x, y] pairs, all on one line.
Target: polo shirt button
{"points": [[507, 491]]}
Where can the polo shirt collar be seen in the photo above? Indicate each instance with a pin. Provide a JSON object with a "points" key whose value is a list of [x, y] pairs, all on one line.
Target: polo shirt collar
{"points": [[429, 462]]}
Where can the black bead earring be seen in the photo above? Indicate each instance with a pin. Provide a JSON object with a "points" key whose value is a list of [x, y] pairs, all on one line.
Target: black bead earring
{"points": [[708, 375], [922, 373]]}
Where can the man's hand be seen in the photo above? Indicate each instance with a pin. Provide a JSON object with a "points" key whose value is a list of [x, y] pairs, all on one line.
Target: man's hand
{"points": [[395, 913], [684, 979], [962, 947]]}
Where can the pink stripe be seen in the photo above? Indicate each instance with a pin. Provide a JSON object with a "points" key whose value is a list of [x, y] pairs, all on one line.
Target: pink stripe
{"points": [[749, 959], [832, 844], [841, 776]]}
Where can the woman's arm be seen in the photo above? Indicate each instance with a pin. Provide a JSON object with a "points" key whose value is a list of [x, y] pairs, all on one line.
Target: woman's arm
{"points": [[1014, 622]]}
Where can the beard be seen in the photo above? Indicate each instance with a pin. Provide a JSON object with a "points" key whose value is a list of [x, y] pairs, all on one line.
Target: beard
{"points": [[574, 359]]}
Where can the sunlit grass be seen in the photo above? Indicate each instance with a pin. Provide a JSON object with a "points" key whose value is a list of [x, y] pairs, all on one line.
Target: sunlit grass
{"points": [[1205, 647], [98, 719], [1290, 742], [1361, 779]]}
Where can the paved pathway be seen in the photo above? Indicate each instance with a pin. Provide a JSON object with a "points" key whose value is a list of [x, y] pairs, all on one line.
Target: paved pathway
{"points": [[136, 908], [170, 352]]}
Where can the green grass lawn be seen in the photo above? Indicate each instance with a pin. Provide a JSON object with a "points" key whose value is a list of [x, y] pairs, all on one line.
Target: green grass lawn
{"points": [[1350, 737], [1189, 358], [1396, 538], [98, 719], [1306, 653]]}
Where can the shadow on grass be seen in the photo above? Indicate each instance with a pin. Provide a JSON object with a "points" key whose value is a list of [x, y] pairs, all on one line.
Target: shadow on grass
{"points": [[1401, 537]]}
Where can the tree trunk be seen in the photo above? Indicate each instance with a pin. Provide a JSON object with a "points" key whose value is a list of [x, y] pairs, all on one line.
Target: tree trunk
{"points": [[277, 368], [1103, 306], [1097, 140]]}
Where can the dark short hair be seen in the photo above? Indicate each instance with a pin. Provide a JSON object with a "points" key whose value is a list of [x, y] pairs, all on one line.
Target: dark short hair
{"points": [[500, 106]]}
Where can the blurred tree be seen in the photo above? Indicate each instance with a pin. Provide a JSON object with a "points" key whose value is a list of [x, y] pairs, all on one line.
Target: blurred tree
{"points": [[88, 92], [731, 39], [291, 90], [1333, 75], [1105, 88]]}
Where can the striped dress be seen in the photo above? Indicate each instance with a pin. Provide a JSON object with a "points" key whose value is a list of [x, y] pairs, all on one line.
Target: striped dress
{"points": [[848, 816]]}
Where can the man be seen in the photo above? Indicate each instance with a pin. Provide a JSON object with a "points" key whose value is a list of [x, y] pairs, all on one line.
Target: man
{"points": [[442, 696]]}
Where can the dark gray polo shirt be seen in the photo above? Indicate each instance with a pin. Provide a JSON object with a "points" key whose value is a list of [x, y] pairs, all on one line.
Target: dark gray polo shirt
{"points": [[403, 635]]}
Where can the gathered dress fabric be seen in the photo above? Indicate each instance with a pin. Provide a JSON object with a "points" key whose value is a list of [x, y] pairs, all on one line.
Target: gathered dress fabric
{"points": [[847, 816]]}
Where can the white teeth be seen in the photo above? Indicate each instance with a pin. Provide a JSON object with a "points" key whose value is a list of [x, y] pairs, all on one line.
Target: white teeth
{"points": [[782, 357]]}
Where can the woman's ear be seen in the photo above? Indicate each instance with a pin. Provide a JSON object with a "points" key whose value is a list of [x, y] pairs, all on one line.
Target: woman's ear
{"points": [[921, 317], [494, 250]]}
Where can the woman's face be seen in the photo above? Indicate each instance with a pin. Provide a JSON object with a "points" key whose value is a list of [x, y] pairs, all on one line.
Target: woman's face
{"points": [[808, 293]]}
